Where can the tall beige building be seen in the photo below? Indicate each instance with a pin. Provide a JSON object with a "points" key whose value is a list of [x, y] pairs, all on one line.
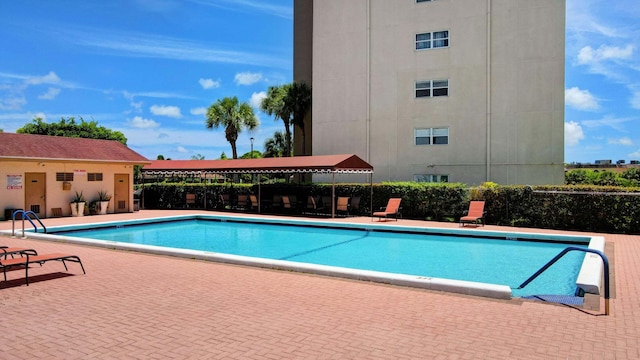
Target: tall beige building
{"points": [[442, 90]]}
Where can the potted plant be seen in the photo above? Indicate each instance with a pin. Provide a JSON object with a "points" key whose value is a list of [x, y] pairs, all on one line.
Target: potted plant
{"points": [[103, 200], [77, 204]]}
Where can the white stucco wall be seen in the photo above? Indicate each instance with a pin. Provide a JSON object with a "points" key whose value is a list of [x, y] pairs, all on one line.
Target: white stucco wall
{"points": [[505, 109]]}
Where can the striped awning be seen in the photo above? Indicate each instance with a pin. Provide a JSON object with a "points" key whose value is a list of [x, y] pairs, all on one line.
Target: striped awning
{"points": [[327, 164]]}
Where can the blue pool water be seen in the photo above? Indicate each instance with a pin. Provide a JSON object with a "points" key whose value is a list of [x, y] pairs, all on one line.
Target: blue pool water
{"points": [[484, 260]]}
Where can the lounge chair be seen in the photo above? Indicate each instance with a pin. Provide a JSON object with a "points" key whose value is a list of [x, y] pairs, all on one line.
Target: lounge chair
{"points": [[475, 215], [392, 209], [37, 259], [28, 259], [6, 251]]}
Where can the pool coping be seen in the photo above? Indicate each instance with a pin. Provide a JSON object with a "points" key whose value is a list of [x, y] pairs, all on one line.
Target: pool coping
{"points": [[589, 278]]}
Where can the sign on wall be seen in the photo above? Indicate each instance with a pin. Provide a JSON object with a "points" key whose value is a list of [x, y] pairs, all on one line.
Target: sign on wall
{"points": [[14, 182], [79, 172]]}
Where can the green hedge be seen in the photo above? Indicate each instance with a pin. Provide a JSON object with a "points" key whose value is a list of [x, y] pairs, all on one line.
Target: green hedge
{"points": [[582, 208]]}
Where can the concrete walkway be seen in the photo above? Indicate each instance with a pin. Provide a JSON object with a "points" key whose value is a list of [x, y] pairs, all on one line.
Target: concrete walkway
{"points": [[141, 306]]}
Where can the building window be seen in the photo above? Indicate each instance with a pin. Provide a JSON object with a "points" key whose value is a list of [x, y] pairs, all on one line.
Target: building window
{"points": [[432, 40], [64, 176], [431, 136], [94, 176], [430, 88], [432, 178]]}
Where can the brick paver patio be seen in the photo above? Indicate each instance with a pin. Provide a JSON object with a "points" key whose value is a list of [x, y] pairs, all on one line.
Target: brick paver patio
{"points": [[141, 306]]}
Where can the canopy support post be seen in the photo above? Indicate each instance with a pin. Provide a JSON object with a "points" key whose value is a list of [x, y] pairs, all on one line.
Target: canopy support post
{"points": [[333, 194]]}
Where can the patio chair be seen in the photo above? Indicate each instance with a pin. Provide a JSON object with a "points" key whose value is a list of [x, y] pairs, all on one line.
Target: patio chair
{"points": [[190, 200], [37, 259], [313, 205], [241, 204], [253, 200], [475, 214], [223, 201], [288, 204], [392, 209], [342, 205], [327, 204], [354, 206]]}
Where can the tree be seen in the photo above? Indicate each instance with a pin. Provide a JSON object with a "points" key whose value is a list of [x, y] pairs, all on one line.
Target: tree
{"points": [[298, 101], [234, 117], [274, 105], [223, 156], [275, 146], [249, 155], [197, 157], [69, 128]]}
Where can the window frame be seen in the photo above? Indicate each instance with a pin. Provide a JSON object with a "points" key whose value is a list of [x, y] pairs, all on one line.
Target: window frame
{"points": [[432, 138], [431, 90], [433, 40], [95, 176], [431, 178], [64, 176]]}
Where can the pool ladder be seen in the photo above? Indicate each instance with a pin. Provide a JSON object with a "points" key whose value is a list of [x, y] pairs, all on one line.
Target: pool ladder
{"points": [[564, 252], [26, 215]]}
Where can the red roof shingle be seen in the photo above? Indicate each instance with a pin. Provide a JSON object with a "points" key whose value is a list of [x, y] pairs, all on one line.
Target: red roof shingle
{"points": [[44, 147]]}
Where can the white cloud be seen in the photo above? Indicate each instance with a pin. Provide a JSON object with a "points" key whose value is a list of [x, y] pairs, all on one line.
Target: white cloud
{"points": [[198, 111], [182, 149], [15, 102], [580, 99], [247, 78], [170, 111], [256, 99], [617, 123], [141, 123], [209, 83], [50, 94], [572, 133], [50, 78], [635, 155], [622, 141], [250, 6], [588, 55], [139, 45]]}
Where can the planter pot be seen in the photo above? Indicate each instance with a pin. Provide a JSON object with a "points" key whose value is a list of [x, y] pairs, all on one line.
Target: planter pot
{"points": [[77, 209], [103, 207]]}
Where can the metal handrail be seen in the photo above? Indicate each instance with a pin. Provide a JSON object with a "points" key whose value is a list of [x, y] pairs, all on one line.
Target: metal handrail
{"points": [[565, 251], [26, 214]]}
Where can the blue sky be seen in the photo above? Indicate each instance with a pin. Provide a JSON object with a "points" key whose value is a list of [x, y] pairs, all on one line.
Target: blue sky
{"points": [[150, 68]]}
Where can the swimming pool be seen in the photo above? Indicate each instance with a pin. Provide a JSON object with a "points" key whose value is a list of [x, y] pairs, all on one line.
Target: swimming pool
{"points": [[442, 259]]}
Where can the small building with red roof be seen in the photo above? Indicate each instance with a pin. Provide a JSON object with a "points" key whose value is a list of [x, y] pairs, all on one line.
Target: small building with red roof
{"points": [[43, 173]]}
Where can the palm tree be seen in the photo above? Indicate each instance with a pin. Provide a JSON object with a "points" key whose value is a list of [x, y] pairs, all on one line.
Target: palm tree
{"points": [[298, 101], [234, 116], [275, 146], [274, 105]]}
